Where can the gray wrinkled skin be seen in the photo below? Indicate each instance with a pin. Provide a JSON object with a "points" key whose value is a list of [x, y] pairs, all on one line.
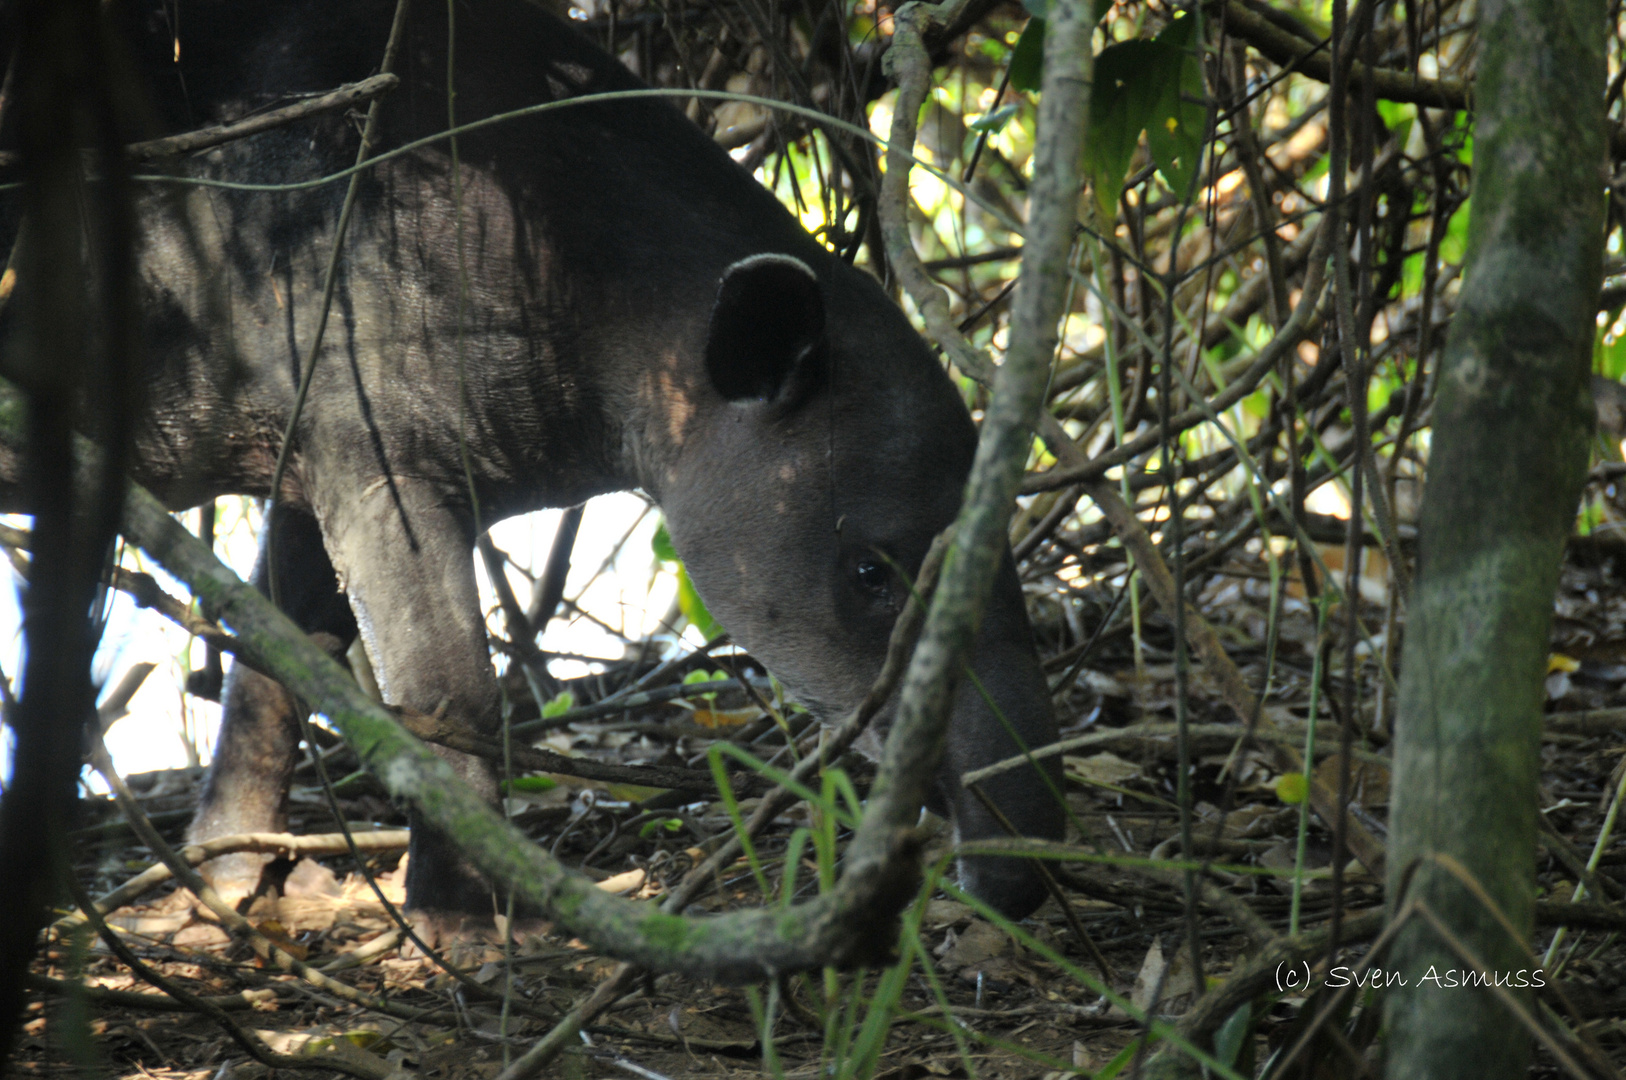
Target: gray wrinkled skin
{"points": [[615, 326]]}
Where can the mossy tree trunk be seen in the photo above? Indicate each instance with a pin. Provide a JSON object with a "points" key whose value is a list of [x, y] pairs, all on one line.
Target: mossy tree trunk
{"points": [[1508, 454]]}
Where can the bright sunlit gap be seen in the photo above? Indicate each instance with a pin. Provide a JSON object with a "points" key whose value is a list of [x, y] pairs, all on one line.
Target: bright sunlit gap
{"points": [[616, 594]]}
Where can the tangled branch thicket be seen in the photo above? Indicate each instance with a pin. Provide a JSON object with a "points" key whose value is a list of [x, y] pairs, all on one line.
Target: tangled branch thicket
{"points": [[1206, 280], [1267, 260]]}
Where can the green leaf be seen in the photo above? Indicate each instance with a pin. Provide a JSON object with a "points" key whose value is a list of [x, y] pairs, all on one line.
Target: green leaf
{"points": [[689, 602], [652, 827], [1397, 117], [700, 675], [1228, 1041], [1463, 127], [1318, 169], [694, 608], [559, 705], [1258, 404], [1609, 358], [1114, 1068], [534, 785], [1411, 276], [1027, 58], [1154, 87], [1292, 788], [1454, 245], [1591, 515], [661, 544], [793, 860], [1128, 88], [995, 121], [1179, 124]]}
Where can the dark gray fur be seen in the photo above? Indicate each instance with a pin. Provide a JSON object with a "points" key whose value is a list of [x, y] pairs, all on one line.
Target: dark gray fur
{"points": [[638, 312]]}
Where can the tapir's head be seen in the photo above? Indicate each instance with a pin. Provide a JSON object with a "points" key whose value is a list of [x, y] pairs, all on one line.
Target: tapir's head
{"points": [[823, 448]]}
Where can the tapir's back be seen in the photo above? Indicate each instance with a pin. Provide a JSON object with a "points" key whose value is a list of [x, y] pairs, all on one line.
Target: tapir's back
{"points": [[575, 242], [610, 180]]}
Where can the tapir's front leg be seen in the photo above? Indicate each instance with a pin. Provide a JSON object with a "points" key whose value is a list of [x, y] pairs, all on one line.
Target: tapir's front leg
{"points": [[405, 559]]}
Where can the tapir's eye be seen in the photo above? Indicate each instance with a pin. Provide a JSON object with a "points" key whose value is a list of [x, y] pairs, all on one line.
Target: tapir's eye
{"points": [[873, 577]]}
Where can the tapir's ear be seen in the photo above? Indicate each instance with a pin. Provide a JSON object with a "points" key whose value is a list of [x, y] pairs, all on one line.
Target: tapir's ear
{"points": [[766, 341]]}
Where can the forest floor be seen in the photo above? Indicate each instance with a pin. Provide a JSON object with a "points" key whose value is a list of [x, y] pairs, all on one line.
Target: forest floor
{"points": [[1017, 1012]]}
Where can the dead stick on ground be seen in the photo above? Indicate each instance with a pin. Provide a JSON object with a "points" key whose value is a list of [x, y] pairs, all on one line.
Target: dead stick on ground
{"points": [[135, 999], [250, 1043], [285, 844], [263, 946]]}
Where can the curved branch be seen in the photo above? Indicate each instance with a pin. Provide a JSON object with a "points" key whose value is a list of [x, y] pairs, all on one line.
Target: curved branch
{"points": [[1291, 51]]}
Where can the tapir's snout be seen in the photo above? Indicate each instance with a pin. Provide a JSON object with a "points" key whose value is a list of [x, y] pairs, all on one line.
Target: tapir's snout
{"points": [[1009, 695]]}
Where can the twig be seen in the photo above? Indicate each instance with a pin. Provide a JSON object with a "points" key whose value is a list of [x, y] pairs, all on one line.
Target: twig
{"points": [[899, 647], [250, 1043], [1252, 978], [263, 946], [1304, 321], [330, 278], [1291, 51], [1219, 666], [203, 138], [283, 844], [908, 64], [538, 759], [612, 705], [135, 999], [1156, 734]]}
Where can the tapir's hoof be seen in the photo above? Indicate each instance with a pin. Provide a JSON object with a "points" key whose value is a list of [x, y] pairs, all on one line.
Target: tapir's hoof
{"points": [[462, 939], [1012, 887], [236, 878], [526, 928]]}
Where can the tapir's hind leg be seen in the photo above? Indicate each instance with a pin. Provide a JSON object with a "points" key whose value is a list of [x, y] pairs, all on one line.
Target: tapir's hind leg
{"points": [[255, 754]]}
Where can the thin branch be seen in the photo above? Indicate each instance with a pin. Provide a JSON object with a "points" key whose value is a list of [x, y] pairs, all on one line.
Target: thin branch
{"points": [[284, 845], [1292, 51], [335, 1059], [219, 134]]}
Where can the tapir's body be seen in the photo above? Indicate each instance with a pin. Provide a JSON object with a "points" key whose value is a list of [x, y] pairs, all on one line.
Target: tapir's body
{"points": [[550, 322]]}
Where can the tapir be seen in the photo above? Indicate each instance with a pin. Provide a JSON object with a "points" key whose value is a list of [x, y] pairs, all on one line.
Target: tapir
{"points": [[590, 299]]}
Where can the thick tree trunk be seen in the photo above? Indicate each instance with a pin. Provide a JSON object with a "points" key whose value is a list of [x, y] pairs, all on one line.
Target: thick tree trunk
{"points": [[1509, 450]]}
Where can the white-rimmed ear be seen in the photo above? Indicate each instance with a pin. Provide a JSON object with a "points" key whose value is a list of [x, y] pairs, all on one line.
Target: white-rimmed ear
{"points": [[766, 341]]}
